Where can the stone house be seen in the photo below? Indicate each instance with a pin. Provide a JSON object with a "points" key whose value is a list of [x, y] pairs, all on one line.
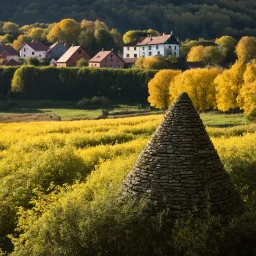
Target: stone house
{"points": [[106, 59], [33, 49], [71, 56]]}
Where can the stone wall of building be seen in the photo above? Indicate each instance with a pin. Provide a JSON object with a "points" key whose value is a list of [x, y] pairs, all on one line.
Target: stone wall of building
{"points": [[180, 169]]}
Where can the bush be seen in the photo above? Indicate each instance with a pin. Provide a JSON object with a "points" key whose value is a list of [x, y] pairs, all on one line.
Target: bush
{"points": [[85, 102]]}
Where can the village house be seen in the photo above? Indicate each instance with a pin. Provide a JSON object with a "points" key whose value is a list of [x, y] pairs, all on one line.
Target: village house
{"points": [[11, 63], [106, 59], [56, 50], [7, 53], [33, 49], [164, 45], [159, 45], [71, 56]]}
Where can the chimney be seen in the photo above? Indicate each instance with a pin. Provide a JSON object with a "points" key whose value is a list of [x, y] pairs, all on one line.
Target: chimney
{"points": [[171, 33], [177, 39], [102, 49], [112, 50], [150, 37], [163, 34]]}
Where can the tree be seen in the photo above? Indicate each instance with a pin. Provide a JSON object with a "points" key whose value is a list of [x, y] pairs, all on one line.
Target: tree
{"points": [[104, 39], [228, 85], [152, 62], [247, 95], [132, 35], [7, 38], [227, 44], [11, 28], [67, 30], [246, 49], [82, 63], [19, 41], [196, 53], [37, 34], [199, 84], [34, 61], [212, 55], [158, 88]]}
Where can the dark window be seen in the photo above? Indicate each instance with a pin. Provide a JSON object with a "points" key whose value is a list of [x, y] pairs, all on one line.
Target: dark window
{"points": [[135, 48], [127, 55], [135, 55], [143, 48], [24, 55], [128, 48], [157, 47], [175, 47], [39, 55], [149, 47], [158, 52], [24, 49], [149, 53], [33, 53], [79, 51], [143, 54]]}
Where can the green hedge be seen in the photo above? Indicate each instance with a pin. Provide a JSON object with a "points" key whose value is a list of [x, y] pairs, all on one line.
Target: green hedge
{"points": [[35, 83], [6, 75]]}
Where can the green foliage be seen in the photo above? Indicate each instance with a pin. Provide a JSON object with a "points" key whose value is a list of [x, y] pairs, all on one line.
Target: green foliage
{"points": [[82, 63], [95, 101], [34, 61], [6, 75], [72, 83]]}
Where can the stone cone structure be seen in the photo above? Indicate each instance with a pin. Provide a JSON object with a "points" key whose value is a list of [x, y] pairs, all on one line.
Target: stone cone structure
{"points": [[180, 170]]}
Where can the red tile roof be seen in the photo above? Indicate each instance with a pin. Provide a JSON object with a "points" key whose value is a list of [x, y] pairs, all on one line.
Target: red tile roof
{"points": [[12, 62], [159, 40], [102, 55], [37, 46], [9, 49], [68, 54]]}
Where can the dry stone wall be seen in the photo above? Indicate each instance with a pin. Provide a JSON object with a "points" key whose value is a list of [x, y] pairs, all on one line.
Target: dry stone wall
{"points": [[180, 170]]}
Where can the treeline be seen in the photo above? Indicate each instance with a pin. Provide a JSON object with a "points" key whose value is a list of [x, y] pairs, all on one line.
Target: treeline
{"points": [[33, 83], [189, 19], [209, 89]]}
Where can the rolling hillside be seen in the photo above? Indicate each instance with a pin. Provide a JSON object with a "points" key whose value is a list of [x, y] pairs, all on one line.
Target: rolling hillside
{"points": [[187, 18]]}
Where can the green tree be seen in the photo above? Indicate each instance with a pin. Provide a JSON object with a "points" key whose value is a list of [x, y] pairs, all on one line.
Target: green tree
{"points": [[212, 55], [11, 28], [82, 63], [132, 35], [227, 44]]}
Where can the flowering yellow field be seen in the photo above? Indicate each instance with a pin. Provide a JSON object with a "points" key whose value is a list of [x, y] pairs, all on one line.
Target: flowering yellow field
{"points": [[96, 154]]}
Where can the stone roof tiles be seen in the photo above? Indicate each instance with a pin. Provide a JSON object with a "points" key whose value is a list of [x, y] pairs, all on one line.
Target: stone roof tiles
{"points": [[179, 169]]}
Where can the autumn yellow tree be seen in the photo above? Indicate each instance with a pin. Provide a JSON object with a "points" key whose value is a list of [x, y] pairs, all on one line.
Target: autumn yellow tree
{"points": [[199, 84], [228, 85], [196, 53], [67, 30], [227, 44], [158, 88], [247, 94], [246, 49]]}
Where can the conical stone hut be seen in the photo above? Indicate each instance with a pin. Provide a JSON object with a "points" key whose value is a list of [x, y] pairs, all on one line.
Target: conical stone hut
{"points": [[180, 170]]}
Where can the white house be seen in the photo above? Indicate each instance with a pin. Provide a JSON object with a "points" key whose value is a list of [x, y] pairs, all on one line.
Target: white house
{"points": [[159, 45], [33, 49], [131, 50]]}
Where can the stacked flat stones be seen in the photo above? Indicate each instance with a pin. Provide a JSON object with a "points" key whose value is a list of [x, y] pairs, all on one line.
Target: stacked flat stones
{"points": [[180, 170]]}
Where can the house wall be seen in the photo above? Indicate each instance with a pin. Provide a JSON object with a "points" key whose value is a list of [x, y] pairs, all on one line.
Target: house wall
{"points": [[61, 64], [111, 61], [131, 52], [26, 52], [161, 49], [94, 64], [79, 54], [57, 51]]}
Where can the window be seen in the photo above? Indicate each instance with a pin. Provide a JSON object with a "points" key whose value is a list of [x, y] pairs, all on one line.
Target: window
{"points": [[149, 47], [24, 55], [175, 47], [135, 55], [128, 48], [79, 51], [157, 47], [149, 53], [174, 54], [158, 52], [24, 49], [127, 55], [33, 53], [39, 55], [119, 66], [143, 54], [143, 48], [135, 48], [111, 56]]}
